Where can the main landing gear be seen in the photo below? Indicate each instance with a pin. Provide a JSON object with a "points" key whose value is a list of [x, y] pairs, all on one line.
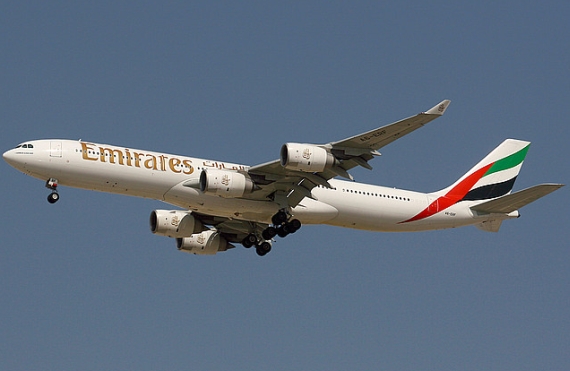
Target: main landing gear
{"points": [[281, 227], [261, 247], [51, 183]]}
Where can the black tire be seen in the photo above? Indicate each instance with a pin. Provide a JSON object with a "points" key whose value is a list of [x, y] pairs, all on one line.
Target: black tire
{"points": [[249, 240], [265, 246], [268, 233], [282, 232], [260, 252], [294, 225], [53, 198], [279, 218]]}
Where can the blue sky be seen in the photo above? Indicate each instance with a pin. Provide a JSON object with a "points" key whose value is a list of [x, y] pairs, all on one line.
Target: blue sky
{"points": [[85, 285]]}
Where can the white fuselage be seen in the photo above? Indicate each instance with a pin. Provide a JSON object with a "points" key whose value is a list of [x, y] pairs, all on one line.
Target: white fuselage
{"points": [[166, 177]]}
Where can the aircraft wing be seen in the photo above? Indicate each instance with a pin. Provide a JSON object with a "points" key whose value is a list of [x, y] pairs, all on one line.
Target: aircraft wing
{"points": [[380, 137], [289, 186]]}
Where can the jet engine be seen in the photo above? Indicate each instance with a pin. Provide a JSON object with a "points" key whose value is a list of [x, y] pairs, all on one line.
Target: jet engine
{"points": [[306, 157], [174, 223], [206, 243], [224, 183]]}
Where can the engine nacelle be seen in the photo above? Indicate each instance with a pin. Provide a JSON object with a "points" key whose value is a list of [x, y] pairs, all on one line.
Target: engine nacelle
{"points": [[224, 183], [174, 223], [306, 157], [205, 243]]}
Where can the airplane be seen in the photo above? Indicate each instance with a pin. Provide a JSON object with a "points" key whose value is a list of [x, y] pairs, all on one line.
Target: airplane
{"points": [[222, 203]]}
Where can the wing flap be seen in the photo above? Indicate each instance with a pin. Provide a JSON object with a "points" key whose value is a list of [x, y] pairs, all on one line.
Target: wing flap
{"points": [[517, 200]]}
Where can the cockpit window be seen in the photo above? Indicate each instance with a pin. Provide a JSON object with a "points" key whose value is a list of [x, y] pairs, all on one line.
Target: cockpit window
{"points": [[25, 146]]}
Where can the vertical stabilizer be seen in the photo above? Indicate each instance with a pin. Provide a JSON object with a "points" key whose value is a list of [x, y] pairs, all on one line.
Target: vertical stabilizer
{"points": [[492, 177]]}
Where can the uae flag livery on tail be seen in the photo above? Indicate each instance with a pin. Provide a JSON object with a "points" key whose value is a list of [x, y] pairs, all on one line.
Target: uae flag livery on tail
{"points": [[493, 177]]}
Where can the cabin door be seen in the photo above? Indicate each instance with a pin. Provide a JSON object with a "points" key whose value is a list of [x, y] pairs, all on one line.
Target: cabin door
{"points": [[55, 149]]}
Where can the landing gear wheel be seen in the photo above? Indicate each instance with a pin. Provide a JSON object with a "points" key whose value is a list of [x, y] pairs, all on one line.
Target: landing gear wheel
{"points": [[282, 231], [279, 218], [249, 241], [268, 233], [293, 226], [260, 252], [263, 248], [53, 197]]}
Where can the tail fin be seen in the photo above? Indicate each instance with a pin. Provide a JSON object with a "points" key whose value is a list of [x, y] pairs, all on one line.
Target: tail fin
{"points": [[492, 177]]}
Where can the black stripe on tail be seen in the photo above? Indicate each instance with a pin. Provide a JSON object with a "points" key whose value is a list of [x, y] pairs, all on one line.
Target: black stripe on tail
{"points": [[490, 191]]}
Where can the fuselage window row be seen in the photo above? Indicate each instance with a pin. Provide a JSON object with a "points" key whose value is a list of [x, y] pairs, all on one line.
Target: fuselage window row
{"points": [[376, 195]]}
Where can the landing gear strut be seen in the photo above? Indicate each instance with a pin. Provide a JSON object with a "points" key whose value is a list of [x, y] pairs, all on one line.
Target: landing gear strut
{"points": [[51, 183]]}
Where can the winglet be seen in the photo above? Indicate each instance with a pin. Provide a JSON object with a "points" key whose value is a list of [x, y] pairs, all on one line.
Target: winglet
{"points": [[439, 109]]}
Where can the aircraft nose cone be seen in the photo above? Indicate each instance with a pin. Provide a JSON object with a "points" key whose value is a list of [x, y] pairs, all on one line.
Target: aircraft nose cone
{"points": [[10, 157], [7, 156]]}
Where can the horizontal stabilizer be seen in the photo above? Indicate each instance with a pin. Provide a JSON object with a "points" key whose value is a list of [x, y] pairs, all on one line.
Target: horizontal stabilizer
{"points": [[515, 201]]}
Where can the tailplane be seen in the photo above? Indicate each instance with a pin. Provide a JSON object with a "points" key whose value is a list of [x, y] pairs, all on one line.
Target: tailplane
{"points": [[509, 203]]}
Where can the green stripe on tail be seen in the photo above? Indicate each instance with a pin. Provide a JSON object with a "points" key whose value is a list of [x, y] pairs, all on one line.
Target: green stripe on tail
{"points": [[509, 161]]}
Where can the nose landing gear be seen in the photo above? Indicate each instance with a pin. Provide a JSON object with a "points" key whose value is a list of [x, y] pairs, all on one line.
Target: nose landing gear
{"points": [[51, 183]]}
